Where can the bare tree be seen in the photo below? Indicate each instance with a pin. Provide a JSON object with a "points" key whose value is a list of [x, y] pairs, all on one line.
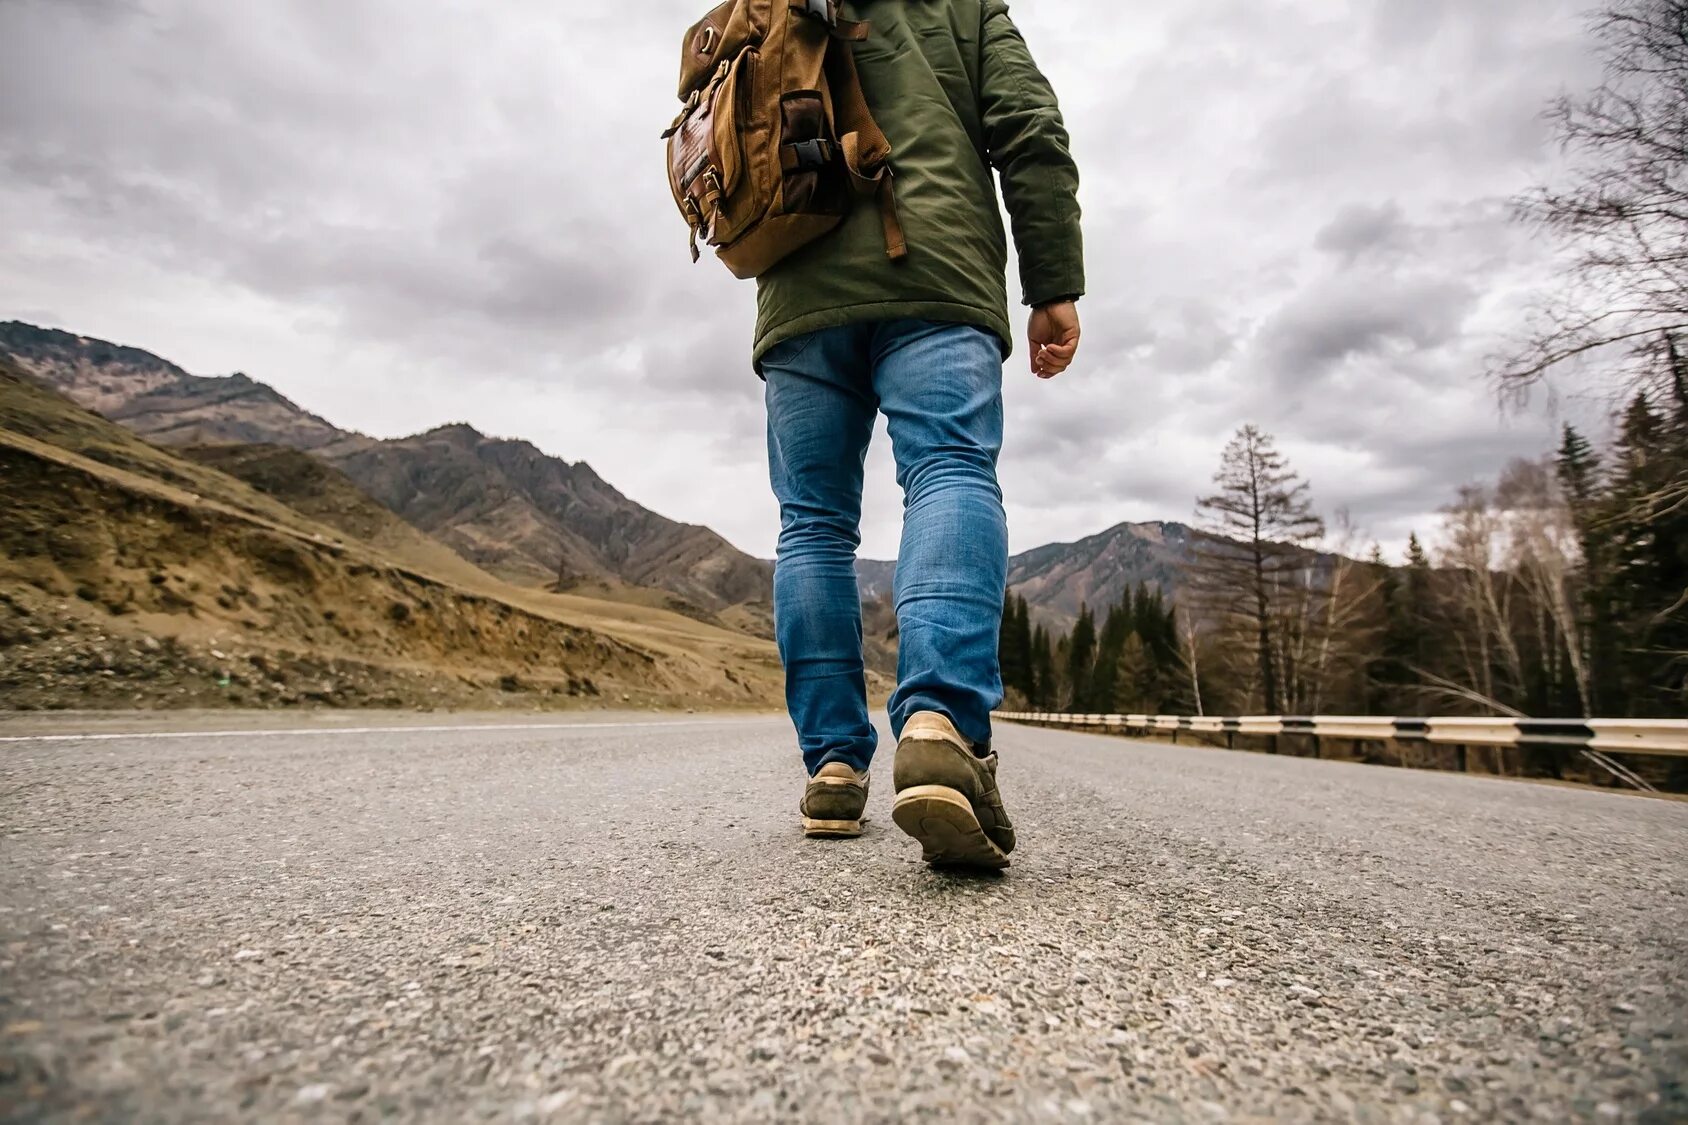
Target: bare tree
{"points": [[1515, 580], [1191, 654], [1344, 638], [1252, 551], [1542, 552], [1479, 610], [1623, 215]]}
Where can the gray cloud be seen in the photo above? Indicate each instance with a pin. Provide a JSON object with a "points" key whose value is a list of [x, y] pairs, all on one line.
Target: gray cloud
{"points": [[1354, 314], [402, 214], [1358, 230]]}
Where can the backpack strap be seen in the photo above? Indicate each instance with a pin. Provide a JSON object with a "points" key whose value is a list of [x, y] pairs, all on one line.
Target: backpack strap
{"points": [[867, 153], [827, 12]]}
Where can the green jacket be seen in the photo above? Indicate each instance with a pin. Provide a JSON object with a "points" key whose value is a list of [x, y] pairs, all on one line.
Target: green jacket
{"points": [[957, 94]]}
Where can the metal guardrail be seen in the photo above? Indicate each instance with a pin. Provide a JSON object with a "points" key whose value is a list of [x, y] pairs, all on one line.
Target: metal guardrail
{"points": [[1606, 736]]}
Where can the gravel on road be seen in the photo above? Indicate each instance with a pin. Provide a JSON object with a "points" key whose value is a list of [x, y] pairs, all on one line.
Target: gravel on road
{"points": [[617, 919]]}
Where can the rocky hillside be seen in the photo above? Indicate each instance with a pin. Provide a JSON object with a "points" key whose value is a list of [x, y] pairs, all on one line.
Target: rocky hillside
{"points": [[155, 398], [510, 507], [131, 576], [1096, 571], [1055, 580], [501, 504], [323, 494]]}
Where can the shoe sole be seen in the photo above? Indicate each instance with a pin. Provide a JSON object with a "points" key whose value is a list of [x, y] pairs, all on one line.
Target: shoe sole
{"points": [[831, 829], [944, 822]]}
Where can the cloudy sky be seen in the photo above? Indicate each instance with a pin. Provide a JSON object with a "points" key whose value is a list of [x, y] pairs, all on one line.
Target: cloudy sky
{"points": [[405, 214]]}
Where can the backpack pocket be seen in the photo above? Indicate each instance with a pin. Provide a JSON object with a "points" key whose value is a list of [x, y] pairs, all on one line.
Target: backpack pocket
{"points": [[706, 159], [727, 147], [807, 153]]}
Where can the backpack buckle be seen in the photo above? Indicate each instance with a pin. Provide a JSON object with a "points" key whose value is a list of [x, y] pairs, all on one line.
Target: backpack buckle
{"points": [[821, 10], [805, 155]]}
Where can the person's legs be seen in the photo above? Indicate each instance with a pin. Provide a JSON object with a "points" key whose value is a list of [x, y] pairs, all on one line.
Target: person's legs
{"points": [[821, 412], [940, 387]]}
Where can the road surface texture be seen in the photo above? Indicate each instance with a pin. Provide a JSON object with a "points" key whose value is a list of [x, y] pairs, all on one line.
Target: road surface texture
{"points": [[617, 919]]}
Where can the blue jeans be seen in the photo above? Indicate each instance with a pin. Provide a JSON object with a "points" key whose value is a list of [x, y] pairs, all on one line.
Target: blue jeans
{"points": [[940, 387]]}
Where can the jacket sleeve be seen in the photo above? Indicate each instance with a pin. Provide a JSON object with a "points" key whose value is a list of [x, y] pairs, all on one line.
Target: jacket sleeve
{"points": [[1026, 141]]}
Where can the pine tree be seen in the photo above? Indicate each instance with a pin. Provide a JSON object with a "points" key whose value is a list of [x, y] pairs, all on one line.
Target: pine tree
{"points": [[1045, 684], [1645, 544], [1060, 686], [1013, 644], [1389, 670], [1253, 553], [1579, 471], [1156, 621], [1005, 644], [1418, 647], [1081, 657], [1115, 629], [1022, 646], [1134, 672]]}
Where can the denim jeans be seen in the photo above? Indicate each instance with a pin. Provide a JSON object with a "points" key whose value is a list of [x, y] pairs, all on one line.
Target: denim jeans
{"points": [[940, 388]]}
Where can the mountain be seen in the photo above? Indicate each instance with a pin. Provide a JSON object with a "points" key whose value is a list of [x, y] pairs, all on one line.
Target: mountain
{"points": [[528, 517], [502, 504], [874, 578], [155, 398], [132, 574], [323, 494], [1055, 580], [512, 508], [1096, 571]]}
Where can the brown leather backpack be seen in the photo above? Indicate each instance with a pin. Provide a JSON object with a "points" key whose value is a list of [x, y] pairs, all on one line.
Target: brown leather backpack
{"points": [[775, 142]]}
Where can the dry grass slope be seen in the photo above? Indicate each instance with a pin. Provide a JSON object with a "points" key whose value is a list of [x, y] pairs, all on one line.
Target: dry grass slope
{"points": [[129, 575]]}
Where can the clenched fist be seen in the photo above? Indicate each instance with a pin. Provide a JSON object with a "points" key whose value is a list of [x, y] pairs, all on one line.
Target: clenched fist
{"points": [[1054, 337]]}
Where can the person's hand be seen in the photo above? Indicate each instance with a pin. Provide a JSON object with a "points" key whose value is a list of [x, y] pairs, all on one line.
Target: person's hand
{"points": [[1054, 338]]}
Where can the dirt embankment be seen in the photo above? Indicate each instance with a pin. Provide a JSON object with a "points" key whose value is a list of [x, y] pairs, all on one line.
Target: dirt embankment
{"points": [[119, 593]]}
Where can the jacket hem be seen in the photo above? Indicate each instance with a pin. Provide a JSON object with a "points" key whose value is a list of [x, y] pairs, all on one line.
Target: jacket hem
{"points": [[945, 312]]}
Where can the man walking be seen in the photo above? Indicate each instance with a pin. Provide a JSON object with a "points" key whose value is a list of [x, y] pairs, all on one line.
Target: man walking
{"points": [[845, 332]]}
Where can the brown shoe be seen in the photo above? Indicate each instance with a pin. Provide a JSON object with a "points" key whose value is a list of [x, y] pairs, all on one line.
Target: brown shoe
{"points": [[834, 802], [947, 796]]}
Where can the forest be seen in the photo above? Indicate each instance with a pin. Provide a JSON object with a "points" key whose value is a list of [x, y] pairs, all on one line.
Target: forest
{"points": [[1561, 590], [1557, 589]]}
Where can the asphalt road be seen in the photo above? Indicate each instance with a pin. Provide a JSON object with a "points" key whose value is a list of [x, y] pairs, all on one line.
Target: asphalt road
{"points": [[602, 922]]}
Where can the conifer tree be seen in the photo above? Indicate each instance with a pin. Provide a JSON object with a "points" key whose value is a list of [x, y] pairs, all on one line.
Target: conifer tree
{"points": [[1134, 672], [1045, 684], [1115, 628], [1252, 555], [1390, 670], [1060, 686], [1081, 657], [1005, 654], [1579, 471], [1646, 547], [1418, 592], [1022, 645]]}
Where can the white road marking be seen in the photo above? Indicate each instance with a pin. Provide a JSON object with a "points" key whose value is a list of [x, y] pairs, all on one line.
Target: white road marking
{"points": [[318, 731]]}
